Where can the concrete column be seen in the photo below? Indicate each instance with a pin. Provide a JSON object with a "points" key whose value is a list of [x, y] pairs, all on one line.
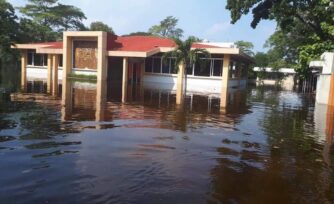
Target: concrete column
{"points": [[24, 59], [49, 73], [102, 57], [67, 66], [125, 79], [179, 85], [101, 99], [55, 64], [67, 97], [225, 80]]}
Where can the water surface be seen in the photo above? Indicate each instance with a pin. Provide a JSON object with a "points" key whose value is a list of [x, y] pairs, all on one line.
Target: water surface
{"points": [[267, 146]]}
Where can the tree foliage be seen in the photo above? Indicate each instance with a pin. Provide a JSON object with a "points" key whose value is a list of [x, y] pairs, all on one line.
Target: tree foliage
{"points": [[183, 53], [100, 26], [167, 28], [305, 28], [8, 28], [246, 47], [139, 33], [50, 17]]}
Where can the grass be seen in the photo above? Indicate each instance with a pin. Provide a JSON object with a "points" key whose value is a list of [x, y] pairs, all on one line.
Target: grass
{"points": [[82, 77]]}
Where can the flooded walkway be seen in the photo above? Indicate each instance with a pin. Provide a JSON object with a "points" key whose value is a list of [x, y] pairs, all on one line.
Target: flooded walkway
{"points": [[266, 146]]}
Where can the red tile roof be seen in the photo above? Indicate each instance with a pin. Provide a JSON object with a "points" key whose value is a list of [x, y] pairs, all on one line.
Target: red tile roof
{"points": [[131, 43], [137, 43], [54, 45]]}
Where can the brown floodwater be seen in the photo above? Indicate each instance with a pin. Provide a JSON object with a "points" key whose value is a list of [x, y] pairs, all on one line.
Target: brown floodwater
{"points": [[266, 146]]}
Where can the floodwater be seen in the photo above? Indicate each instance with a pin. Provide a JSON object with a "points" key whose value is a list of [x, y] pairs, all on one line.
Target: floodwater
{"points": [[266, 146]]}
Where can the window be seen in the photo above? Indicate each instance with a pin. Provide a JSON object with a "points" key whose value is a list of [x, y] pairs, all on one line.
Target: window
{"points": [[30, 58], [148, 65], [203, 67], [45, 60], [166, 66], [189, 70], [60, 60], [157, 65], [38, 59], [173, 66], [217, 68]]}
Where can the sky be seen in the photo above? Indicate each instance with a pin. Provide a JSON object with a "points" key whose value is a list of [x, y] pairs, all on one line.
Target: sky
{"points": [[207, 20]]}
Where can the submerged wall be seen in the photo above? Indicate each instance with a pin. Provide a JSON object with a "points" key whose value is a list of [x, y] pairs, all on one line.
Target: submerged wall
{"points": [[41, 72], [194, 84]]}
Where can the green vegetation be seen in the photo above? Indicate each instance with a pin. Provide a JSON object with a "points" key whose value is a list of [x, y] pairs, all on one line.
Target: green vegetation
{"points": [[246, 47], [167, 28], [51, 18], [305, 29], [8, 27], [139, 33], [100, 26], [39, 21], [185, 54], [82, 77]]}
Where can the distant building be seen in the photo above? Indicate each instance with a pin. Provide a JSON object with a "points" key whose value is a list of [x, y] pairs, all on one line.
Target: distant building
{"points": [[286, 77]]}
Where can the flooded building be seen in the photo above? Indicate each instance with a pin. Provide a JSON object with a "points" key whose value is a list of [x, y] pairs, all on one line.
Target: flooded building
{"points": [[129, 60], [286, 77]]}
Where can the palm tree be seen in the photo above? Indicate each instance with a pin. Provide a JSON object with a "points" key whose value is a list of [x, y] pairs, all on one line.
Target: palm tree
{"points": [[186, 55]]}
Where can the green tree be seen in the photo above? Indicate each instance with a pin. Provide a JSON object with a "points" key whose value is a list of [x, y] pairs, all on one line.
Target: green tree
{"points": [[100, 26], [305, 28], [30, 31], [184, 54], [261, 59], [139, 33], [67, 17], [52, 17], [8, 29], [167, 28], [195, 39], [246, 47]]}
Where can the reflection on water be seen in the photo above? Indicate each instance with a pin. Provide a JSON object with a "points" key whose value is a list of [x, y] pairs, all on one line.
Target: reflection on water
{"points": [[266, 146]]}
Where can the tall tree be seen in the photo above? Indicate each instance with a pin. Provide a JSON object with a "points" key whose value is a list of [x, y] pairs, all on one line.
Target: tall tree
{"points": [[67, 17], [246, 47], [8, 28], [100, 26], [51, 15], [167, 28]]}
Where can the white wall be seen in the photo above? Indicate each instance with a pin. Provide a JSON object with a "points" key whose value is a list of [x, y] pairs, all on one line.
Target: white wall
{"points": [[323, 86], [41, 73], [84, 72], [327, 63], [194, 84]]}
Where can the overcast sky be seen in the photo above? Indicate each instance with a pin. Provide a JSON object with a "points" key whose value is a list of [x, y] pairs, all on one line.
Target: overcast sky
{"points": [[204, 19]]}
